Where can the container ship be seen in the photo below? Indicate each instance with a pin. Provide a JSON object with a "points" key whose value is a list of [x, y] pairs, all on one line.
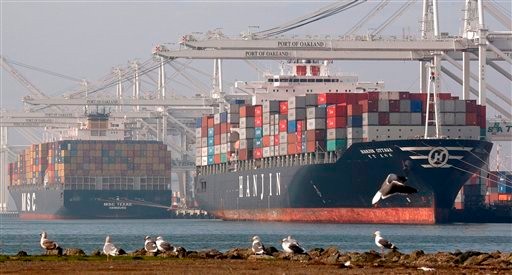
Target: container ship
{"points": [[315, 147], [92, 173]]}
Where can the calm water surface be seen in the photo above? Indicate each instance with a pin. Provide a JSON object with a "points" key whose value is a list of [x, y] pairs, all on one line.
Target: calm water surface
{"points": [[16, 235]]}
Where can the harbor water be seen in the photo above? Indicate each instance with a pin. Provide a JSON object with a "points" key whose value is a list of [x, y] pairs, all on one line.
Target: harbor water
{"points": [[89, 235]]}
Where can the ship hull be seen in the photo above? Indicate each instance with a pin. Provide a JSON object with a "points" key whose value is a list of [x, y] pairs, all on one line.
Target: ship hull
{"points": [[54, 203], [342, 191]]}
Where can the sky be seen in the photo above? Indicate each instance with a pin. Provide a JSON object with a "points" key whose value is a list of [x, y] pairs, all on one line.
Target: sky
{"points": [[86, 39]]}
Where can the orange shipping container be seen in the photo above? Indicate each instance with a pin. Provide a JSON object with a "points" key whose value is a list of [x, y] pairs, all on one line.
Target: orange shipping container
{"points": [[505, 197]]}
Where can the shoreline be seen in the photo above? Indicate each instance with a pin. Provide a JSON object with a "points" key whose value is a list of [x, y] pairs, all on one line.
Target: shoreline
{"points": [[242, 260]]}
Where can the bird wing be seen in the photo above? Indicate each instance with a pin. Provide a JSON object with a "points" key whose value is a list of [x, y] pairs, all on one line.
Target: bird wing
{"points": [[376, 198], [295, 247], [110, 249], [150, 246], [165, 246], [49, 245], [257, 247], [398, 187], [385, 243]]}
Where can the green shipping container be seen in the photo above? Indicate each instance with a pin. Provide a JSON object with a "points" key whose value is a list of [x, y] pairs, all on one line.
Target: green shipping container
{"points": [[336, 144], [223, 157]]}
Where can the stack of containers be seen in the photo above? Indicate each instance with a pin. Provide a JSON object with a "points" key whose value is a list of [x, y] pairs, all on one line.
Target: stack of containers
{"points": [[270, 112], [354, 124], [296, 119], [258, 132], [220, 131], [282, 134], [246, 132], [336, 127]]}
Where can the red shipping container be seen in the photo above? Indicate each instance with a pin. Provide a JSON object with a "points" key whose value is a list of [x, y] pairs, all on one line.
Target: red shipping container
{"points": [[283, 125], [292, 148], [298, 147], [247, 111], [244, 154], [471, 106], [354, 110], [336, 122], [216, 158], [418, 96], [210, 122], [266, 141], [337, 110], [276, 140], [482, 122], [471, 119], [283, 107], [223, 128], [369, 106], [403, 95], [258, 110], [383, 118], [258, 121], [300, 126], [329, 98], [204, 122], [299, 138], [216, 129], [292, 138], [315, 135], [216, 140], [310, 146], [258, 153], [373, 96], [394, 106], [444, 96]]}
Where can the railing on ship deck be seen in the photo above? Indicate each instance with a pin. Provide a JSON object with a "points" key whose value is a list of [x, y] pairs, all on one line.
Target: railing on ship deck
{"points": [[269, 162]]}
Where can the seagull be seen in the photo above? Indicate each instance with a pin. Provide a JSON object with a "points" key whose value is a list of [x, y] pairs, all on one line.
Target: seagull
{"points": [[48, 244], [164, 246], [291, 245], [383, 243], [109, 248], [150, 245], [257, 246], [391, 186]]}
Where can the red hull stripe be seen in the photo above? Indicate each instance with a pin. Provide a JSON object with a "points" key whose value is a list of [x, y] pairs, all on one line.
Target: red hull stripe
{"points": [[35, 216], [336, 215]]}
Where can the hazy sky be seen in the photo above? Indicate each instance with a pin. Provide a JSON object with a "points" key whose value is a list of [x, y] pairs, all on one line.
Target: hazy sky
{"points": [[86, 39]]}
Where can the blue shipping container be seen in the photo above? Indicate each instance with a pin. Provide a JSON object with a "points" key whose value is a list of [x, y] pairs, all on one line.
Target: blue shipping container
{"points": [[198, 122], [504, 188], [211, 150], [416, 106], [292, 126], [257, 142], [223, 117], [355, 121], [258, 132], [210, 132], [210, 160], [211, 141]]}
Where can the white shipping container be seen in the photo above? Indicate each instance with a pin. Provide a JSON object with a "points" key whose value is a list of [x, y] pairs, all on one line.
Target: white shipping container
{"points": [[266, 129], [216, 118], [223, 138], [447, 118], [315, 112], [216, 149], [354, 132], [198, 151], [204, 161], [460, 106], [337, 133], [383, 96], [198, 161], [266, 118], [296, 114], [198, 132], [234, 118], [246, 122], [393, 95], [283, 149], [383, 105], [204, 142], [204, 152], [266, 152], [447, 106], [297, 102], [405, 105], [246, 133], [394, 118], [315, 124], [272, 140], [283, 137], [370, 118], [416, 119], [460, 118], [246, 143], [223, 148], [405, 118]]}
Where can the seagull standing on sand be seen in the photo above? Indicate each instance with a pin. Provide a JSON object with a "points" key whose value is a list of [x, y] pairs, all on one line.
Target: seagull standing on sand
{"points": [[257, 246], [164, 246], [291, 245], [391, 186], [383, 243], [48, 244], [109, 248], [150, 245]]}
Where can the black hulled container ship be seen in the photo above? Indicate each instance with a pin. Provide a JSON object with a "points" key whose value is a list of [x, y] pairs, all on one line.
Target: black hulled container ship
{"points": [[316, 148], [92, 173]]}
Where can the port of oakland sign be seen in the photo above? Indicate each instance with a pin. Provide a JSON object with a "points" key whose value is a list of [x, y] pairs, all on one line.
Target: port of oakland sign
{"points": [[256, 54], [301, 44]]}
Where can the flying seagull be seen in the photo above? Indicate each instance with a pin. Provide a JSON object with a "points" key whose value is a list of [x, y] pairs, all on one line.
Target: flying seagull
{"points": [[150, 245], [291, 245], [383, 243], [391, 186], [48, 244], [257, 246], [109, 248], [164, 246]]}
